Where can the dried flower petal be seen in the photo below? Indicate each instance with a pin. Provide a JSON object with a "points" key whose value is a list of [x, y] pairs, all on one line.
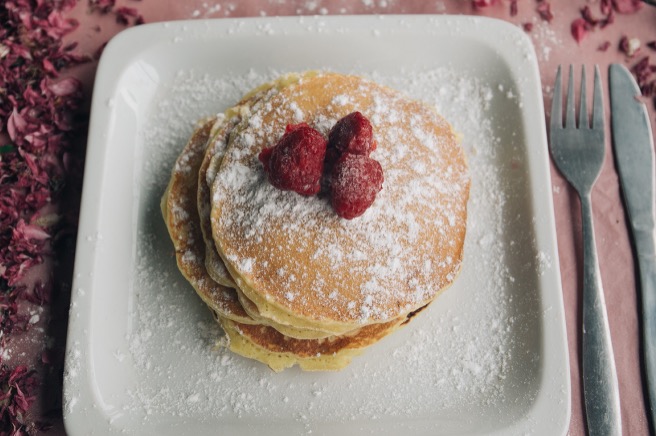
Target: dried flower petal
{"points": [[16, 125], [65, 87], [123, 15], [102, 6], [17, 387], [624, 44], [39, 110], [627, 6], [606, 6], [586, 14], [604, 46], [649, 89], [629, 46], [610, 19], [579, 29], [544, 10], [642, 71], [483, 3]]}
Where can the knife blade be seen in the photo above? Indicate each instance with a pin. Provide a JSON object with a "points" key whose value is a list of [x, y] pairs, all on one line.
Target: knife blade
{"points": [[633, 147]]}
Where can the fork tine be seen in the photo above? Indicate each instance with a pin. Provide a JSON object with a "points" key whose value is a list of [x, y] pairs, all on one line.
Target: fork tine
{"points": [[583, 111], [569, 111], [597, 102], [556, 104]]}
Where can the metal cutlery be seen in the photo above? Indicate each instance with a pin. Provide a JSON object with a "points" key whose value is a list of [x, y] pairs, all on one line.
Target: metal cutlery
{"points": [[633, 146], [578, 152]]}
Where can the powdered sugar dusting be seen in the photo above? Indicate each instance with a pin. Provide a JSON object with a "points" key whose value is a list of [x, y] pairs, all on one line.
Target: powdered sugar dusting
{"points": [[413, 218], [466, 355]]}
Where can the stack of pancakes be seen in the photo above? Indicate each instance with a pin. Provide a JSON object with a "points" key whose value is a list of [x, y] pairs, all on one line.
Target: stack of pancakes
{"points": [[289, 280]]}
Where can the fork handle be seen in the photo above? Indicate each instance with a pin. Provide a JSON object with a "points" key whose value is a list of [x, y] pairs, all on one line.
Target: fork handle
{"points": [[600, 390]]}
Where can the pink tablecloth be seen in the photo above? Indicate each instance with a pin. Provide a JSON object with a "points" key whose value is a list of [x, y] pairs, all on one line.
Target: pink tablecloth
{"points": [[554, 45]]}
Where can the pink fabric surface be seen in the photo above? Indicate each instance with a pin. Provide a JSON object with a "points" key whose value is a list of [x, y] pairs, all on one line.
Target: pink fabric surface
{"points": [[554, 45]]}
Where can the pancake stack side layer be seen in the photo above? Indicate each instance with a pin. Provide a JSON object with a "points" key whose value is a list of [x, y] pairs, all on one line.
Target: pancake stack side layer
{"points": [[289, 280]]}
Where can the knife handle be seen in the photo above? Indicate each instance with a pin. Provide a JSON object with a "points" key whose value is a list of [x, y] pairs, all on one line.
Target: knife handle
{"points": [[646, 259], [600, 390]]}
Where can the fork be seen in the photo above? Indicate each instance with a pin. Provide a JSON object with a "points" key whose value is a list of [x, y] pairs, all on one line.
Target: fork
{"points": [[578, 152]]}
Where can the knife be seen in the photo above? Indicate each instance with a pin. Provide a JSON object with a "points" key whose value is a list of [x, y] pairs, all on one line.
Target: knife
{"points": [[633, 146]]}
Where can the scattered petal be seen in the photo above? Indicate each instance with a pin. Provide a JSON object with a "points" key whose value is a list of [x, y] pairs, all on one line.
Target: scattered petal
{"points": [[65, 87], [604, 46], [629, 46], [579, 29], [484, 3], [610, 19], [627, 6], [544, 10], [40, 108], [606, 7], [102, 6], [586, 14]]}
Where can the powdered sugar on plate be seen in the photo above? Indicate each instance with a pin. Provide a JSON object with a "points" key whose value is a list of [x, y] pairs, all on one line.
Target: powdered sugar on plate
{"points": [[474, 352]]}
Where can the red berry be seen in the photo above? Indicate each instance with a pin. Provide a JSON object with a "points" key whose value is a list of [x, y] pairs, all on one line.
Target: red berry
{"points": [[352, 134], [355, 181], [295, 163]]}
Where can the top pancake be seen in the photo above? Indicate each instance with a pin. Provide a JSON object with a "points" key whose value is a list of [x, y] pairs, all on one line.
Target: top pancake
{"points": [[294, 257]]}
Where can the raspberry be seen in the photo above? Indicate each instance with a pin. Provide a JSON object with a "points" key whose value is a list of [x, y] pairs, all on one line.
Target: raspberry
{"points": [[302, 156], [352, 134], [295, 163], [355, 181]]}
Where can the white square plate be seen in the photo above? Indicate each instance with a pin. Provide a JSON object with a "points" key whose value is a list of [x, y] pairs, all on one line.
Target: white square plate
{"points": [[489, 357]]}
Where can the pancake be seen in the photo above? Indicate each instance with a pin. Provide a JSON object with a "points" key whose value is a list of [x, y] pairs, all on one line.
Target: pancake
{"points": [[180, 215], [184, 222], [288, 330], [263, 343], [270, 347], [289, 281], [301, 264], [213, 262], [215, 147], [211, 160]]}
